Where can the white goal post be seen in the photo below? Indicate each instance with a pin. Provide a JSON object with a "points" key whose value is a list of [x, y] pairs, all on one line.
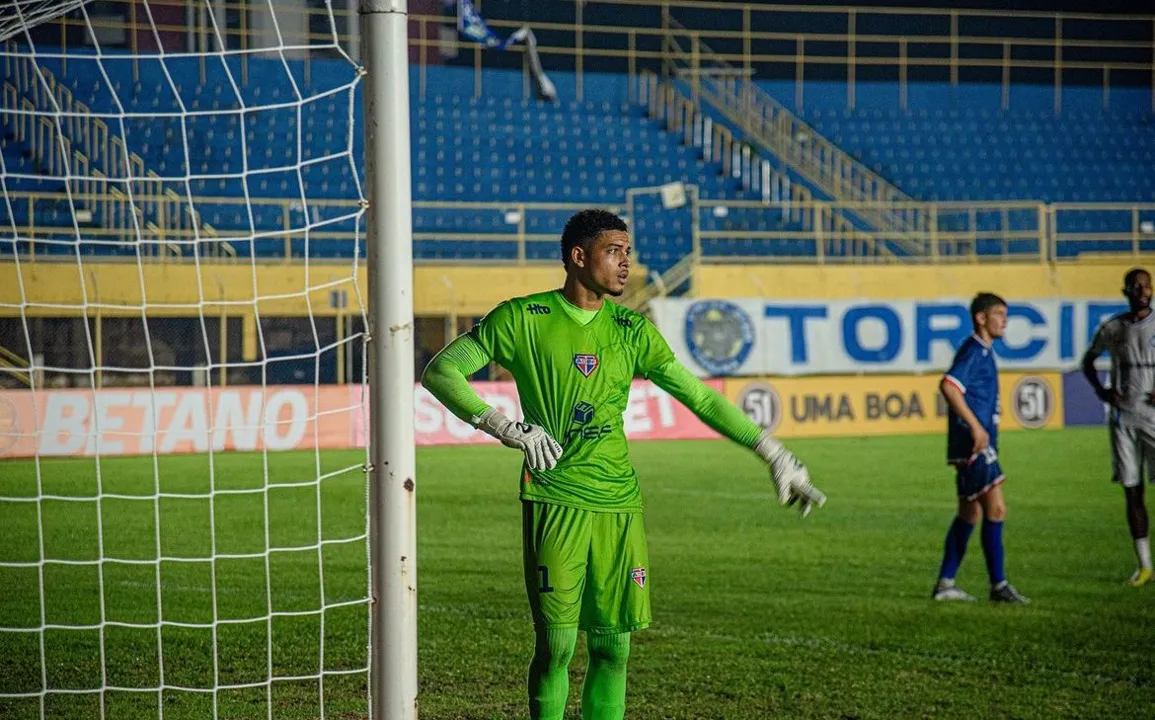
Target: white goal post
{"points": [[393, 497]]}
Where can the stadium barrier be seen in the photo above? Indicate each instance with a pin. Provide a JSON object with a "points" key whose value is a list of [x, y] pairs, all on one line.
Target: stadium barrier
{"points": [[651, 414], [1004, 49], [757, 336], [251, 418], [117, 422], [174, 420], [885, 404], [1081, 407]]}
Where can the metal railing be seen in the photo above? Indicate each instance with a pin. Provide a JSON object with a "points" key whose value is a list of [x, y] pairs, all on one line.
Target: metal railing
{"points": [[183, 244], [731, 91], [956, 231], [169, 223], [959, 44], [14, 367], [966, 232], [102, 179], [742, 161], [166, 236], [1102, 230], [34, 102], [681, 273]]}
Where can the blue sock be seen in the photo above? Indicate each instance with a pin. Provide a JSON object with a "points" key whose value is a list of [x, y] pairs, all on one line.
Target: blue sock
{"points": [[993, 550], [955, 547]]}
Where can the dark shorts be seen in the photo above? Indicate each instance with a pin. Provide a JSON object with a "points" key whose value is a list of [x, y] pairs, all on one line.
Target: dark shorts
{"points": [[980, 473]]}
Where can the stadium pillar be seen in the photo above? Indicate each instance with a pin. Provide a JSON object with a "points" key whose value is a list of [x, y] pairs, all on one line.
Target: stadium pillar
{"points": [[392, 494]]}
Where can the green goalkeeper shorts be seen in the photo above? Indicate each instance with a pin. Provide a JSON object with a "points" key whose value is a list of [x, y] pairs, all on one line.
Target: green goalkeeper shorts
{"points": [[586, 569]]}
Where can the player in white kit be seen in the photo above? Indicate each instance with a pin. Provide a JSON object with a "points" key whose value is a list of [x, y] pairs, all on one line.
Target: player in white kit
{"points": [[1129, 339]]}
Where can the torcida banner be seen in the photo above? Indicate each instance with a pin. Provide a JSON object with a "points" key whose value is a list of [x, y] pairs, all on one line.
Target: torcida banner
{"points": [[756, 337]]}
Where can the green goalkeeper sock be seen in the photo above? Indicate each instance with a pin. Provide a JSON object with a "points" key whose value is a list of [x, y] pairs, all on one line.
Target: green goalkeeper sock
{"points": [[549, 672], [604, 691]]}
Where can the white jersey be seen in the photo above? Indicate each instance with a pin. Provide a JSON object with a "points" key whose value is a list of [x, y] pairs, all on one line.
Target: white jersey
{"points": [[1131, 345]]}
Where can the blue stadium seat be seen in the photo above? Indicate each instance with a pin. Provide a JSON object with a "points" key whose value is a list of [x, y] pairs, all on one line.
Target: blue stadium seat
{"points": [[961, 154], [499, 148]]}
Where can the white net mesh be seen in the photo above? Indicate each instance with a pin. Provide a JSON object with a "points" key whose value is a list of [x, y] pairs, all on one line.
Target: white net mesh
{"points": [[180, 245], [18, 15]]}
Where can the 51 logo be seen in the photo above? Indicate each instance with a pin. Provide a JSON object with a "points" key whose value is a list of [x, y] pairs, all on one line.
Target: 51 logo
{"points": [[761, 403], [1033, 402]]}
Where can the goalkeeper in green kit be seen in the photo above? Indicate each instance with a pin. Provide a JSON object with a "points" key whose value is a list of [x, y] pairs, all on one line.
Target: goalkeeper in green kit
{"points": [[573, 356]]}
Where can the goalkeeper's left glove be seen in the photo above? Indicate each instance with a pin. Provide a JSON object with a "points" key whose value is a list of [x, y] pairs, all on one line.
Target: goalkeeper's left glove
{"points": [[791, 478]]}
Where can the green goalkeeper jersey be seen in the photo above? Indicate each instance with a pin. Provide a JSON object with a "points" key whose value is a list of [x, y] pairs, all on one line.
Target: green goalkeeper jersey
{"points": [[573, 379]]}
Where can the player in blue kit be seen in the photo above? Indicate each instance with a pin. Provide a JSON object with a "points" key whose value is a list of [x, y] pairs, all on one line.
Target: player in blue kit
{"points": [[971, 389]]}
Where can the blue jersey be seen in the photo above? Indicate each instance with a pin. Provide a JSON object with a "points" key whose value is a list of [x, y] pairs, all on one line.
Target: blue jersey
{"points": [[974, 373]]}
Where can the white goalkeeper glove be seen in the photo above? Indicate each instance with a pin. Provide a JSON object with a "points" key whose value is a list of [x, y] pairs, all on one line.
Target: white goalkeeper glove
{"points": [[791, 478], [541, 451]]}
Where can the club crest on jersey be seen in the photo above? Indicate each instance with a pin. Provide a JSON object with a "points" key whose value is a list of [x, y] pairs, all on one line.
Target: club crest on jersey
{"points": [[586, 363], [638, 575]]}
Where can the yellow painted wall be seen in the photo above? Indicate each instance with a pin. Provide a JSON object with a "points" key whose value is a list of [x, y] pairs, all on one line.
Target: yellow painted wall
{"points": [[442, 289], [897, 282], [177, 289]]}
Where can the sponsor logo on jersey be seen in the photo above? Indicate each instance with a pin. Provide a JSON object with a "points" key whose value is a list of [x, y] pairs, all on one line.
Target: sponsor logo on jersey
{"points": [[638, 575], [583, 415], [719, 335], [583, 412], [588, 432], [537, 309], [585, 363], [624, 322]]}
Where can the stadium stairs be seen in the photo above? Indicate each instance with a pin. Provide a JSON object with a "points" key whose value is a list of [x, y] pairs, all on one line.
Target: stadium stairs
{"points": [[966, 143], [498, 148], [969, 154], [96, 145]]}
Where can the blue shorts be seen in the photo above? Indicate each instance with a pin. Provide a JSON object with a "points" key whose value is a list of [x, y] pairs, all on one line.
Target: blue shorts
{"points": [[977, 475]]}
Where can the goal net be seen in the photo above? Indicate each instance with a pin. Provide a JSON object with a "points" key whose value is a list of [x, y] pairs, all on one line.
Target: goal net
{"points": [[183, 493]]}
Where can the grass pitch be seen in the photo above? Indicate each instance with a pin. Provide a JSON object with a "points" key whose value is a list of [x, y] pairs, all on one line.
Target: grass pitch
{"points": [[757, 614]]}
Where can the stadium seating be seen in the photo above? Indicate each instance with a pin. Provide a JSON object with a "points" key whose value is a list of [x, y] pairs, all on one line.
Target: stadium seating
{"points": [[503, 148], [497, 148], [1081, 156], [963, 146]]}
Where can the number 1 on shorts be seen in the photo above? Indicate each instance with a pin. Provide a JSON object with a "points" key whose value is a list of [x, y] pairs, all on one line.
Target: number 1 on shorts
{"points": [[545, 586]]}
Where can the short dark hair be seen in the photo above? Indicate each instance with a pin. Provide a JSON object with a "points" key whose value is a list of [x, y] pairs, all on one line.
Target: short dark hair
{"points": [[583, 227], [983, 302], [1131, 276]]}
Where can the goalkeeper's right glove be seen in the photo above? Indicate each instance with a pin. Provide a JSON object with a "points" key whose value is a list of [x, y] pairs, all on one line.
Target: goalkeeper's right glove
{"points": [[541, 451], [791, 478]]}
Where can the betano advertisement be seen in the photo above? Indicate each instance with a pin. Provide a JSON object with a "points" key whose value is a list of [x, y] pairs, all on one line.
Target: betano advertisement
{"points": [[183, 420], [125, 421]]}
